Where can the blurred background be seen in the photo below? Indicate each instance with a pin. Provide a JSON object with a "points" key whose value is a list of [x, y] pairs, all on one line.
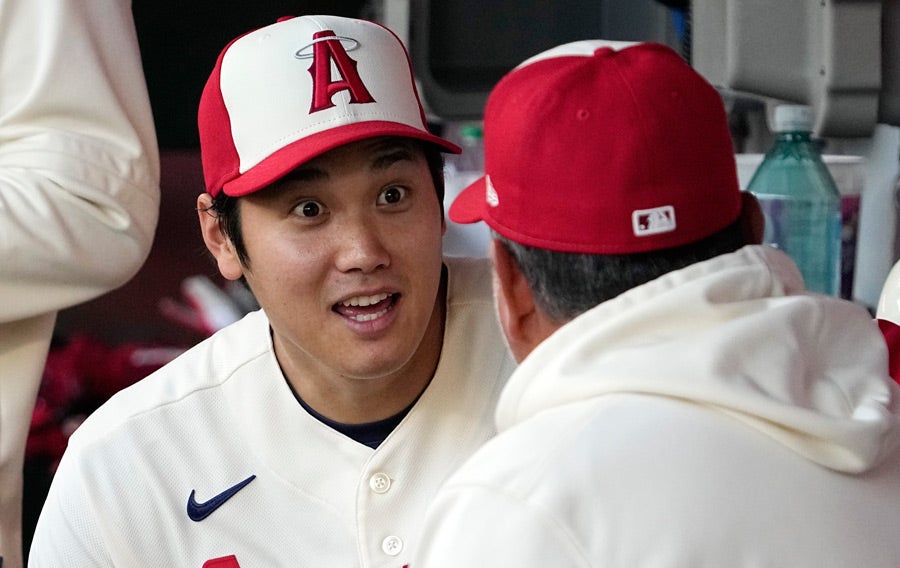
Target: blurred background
{"points": [[460, 48], [839, 56]]}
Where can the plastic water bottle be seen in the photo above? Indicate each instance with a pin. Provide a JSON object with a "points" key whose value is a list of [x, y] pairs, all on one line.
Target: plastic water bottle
{"points": [[459, 172], [801, 202]]}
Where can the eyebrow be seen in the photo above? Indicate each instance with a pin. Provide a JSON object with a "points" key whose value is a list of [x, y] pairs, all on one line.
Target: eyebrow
{"points": [[305, 173], [393, 155]]}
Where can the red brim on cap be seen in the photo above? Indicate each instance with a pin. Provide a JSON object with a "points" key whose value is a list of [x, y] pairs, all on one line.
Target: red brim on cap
{"points": [[469, 205], [294, 155]]}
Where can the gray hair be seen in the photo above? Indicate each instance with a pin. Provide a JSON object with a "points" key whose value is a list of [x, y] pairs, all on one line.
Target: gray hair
{"points": [[565, 284]]}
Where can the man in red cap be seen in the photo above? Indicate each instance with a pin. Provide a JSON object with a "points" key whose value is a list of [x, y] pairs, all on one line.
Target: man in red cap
{"points": [[681, 399], [315, 431]]}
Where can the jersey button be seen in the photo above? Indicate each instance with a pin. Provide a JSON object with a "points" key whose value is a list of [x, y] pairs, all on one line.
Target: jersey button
{"points": [[392, 545], [380, 483]]}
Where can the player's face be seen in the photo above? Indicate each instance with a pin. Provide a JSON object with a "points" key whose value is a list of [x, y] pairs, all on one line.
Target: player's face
{"points": [[345, 259]]}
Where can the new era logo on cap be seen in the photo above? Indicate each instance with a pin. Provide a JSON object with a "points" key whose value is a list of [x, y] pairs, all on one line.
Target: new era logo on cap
{"points": [[490, 194], [286, 93]]}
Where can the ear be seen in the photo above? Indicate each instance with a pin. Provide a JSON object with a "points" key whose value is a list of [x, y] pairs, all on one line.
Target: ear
{"points": [[753, 222], [219, 245], [523, 323]]}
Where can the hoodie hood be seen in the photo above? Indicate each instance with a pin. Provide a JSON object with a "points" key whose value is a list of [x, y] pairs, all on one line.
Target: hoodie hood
{"points": [[738, 335]]}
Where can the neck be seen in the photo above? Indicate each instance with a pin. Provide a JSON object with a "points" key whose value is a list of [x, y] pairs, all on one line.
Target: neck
{"points": [[355, 401]]}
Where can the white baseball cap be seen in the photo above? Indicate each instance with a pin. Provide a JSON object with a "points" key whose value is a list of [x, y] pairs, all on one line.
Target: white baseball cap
{"points": [[283, 94]]}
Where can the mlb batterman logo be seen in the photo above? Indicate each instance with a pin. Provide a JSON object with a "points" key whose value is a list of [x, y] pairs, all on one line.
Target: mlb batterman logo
{"points": [[653, 221]]}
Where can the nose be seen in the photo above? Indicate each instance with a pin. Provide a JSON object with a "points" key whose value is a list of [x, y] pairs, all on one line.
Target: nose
{"points": [[361, 246]]}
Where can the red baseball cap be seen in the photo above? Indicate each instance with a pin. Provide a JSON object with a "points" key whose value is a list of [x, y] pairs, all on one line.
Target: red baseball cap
{"points": [[283, 94], [604, 147]]}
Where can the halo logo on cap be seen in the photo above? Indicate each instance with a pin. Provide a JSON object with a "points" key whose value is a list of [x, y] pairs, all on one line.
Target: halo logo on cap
{"points": [[328, 48]]}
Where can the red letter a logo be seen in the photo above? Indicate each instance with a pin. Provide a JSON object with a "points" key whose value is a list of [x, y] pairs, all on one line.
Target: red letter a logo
{"points": [[223, 562], [328, 48]]}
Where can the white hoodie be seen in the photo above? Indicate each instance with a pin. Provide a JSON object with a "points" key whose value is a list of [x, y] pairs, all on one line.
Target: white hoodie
{"points": [[718, 416]]}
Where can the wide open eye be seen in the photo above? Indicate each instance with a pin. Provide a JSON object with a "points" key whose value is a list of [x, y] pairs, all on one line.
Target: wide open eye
{"points": [[392, 195], [309, 209]]}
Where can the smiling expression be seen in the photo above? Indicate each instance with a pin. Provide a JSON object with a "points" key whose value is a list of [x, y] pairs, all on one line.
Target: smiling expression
{"points": [[344, 256]]}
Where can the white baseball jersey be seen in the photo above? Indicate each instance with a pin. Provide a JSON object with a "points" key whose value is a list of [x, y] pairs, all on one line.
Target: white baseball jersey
{"points": [[212, 461]]}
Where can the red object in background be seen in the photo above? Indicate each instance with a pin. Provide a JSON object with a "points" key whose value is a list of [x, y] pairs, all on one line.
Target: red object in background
{"points": [[80, 375], [82, 372], [891, 332]]}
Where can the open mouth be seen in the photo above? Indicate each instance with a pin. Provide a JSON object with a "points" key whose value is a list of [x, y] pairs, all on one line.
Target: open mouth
{"points": [[366, 308]]}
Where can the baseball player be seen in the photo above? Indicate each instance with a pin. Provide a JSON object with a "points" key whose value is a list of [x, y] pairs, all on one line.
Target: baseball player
{"points": [[79, 194], [315, 431], [681, 399]]}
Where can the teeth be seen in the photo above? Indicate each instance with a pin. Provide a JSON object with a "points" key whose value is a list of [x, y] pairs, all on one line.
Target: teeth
{"points": [[365, 301], [369, 317]]}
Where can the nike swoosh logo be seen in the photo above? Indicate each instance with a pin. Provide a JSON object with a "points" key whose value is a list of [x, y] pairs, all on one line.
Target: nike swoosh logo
{"points": [[199, 511]]}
